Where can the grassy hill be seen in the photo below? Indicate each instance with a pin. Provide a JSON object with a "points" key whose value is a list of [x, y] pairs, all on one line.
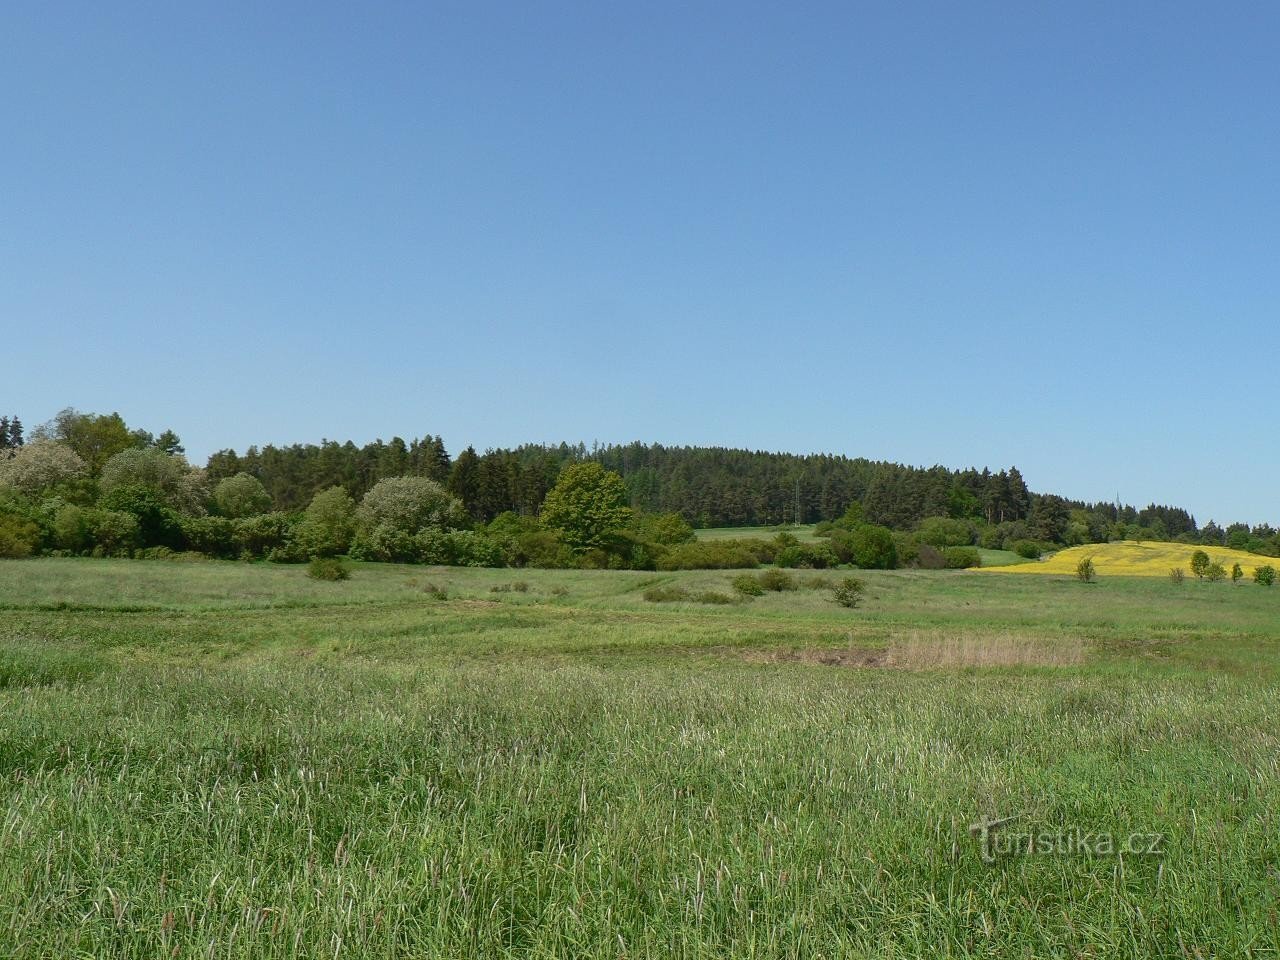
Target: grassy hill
{"points": [[1130, 559]]}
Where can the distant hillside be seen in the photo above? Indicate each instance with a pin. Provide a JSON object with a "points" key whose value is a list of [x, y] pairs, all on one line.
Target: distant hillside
{"points": [[1129, 559]]}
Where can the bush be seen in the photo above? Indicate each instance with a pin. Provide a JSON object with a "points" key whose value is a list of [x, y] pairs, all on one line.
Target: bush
{"points": [[242, 495], [1215, 572], [408, 505], [873, 548], [1027, 548], [18, 537], [943, 532], [714, 555], [1177, 575], [848, 592], [961, 558], [778, 581], [1085, 572], [328, 568], [1199, 564], [263, 534], [214, 536], [158, 523], [1264, 576], [746, 585], [115, 533], [1237, 573], [711, 596]]}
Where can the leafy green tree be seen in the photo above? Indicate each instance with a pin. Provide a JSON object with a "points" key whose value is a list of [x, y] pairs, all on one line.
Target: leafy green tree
{"points": [[169, 476], [39, 466], [409, 504], [241, 495], [95, 438], [1200, 564], [158, 524], [1264, 576], [944, 532], [587, 506], [1085, 571], [1215, 572], [18, 537], [328, 525], [1237, 573], [873, 548]]}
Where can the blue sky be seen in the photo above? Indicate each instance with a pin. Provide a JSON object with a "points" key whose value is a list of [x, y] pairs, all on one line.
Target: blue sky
{"points": [[990, 234]]}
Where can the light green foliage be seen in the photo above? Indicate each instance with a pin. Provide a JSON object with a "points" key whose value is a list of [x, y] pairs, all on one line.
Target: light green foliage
{"points": [[241, 495], [1237, 573], [328, 568], [234, 760], [38, 466], [587, 506], [1200, 564], [95, 438], [1215, 573], [1265, 575], [406, 505], [169, 476], [848, 592], [944, 532], [328, 525], [18, 537], [667, 529], [1085, 571]]}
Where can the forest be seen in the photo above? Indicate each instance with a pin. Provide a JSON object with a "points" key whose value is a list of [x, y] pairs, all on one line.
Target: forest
{"points": [[90, 484]]}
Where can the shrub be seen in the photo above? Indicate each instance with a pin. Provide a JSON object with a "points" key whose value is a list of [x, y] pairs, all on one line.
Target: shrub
{"points": [[39, 465], [778, 580], [944, 532], [1215, 572], [666, 594], [519, 586], [746, 585], [873, 548], [848, 592], [1027, 548], [241, 496], [961, 558], [158, 523], [930, 558], [713, 555], [214, 536], [711, 596], [114, 532], [1177, 575], [18, 537], [1237, 573], [262, 534], [407, 505], [1264, 576], [169, 477], [1085, 572], [1199, 564], [328, 568]]}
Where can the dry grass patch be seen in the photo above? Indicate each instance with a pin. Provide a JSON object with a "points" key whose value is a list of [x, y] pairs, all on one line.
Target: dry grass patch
{"points": [[925, 652]]}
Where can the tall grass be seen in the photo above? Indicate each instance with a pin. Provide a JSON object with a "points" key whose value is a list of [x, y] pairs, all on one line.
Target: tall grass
{"points": [[527, 774]]}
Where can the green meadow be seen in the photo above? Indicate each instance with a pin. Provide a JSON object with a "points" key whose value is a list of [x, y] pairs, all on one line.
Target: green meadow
{"points": [[221, 759]]}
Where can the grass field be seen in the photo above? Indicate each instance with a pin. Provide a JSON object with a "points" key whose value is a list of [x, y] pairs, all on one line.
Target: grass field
{"points": [[230, 760], [803, 533], [1151, 559]]}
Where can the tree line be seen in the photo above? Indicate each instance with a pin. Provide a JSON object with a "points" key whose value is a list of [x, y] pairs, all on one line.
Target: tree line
{"points": [[86, 483]]}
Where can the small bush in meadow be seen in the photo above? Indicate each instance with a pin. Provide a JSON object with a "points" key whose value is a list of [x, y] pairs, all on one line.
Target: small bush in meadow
{"points": [[711, 596], [848, 592], [961, 558], [1027, 548], [1085, 571], [746, 585], [328, 568], [1215, 572], [519, 586], [1177, 575], [1200, 564], [1237, 573], [1264, 576], [778, 580]]}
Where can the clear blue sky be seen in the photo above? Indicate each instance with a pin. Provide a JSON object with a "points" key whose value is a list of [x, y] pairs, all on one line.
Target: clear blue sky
{"points": [[1039, 234]]}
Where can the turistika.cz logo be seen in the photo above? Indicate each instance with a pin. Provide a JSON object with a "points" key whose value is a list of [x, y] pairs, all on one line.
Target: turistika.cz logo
{"points": [[996, 842]]}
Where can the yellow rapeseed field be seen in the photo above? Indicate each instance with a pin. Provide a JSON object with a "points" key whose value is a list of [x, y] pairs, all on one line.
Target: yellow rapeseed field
{"points": [[1130, 559]]}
